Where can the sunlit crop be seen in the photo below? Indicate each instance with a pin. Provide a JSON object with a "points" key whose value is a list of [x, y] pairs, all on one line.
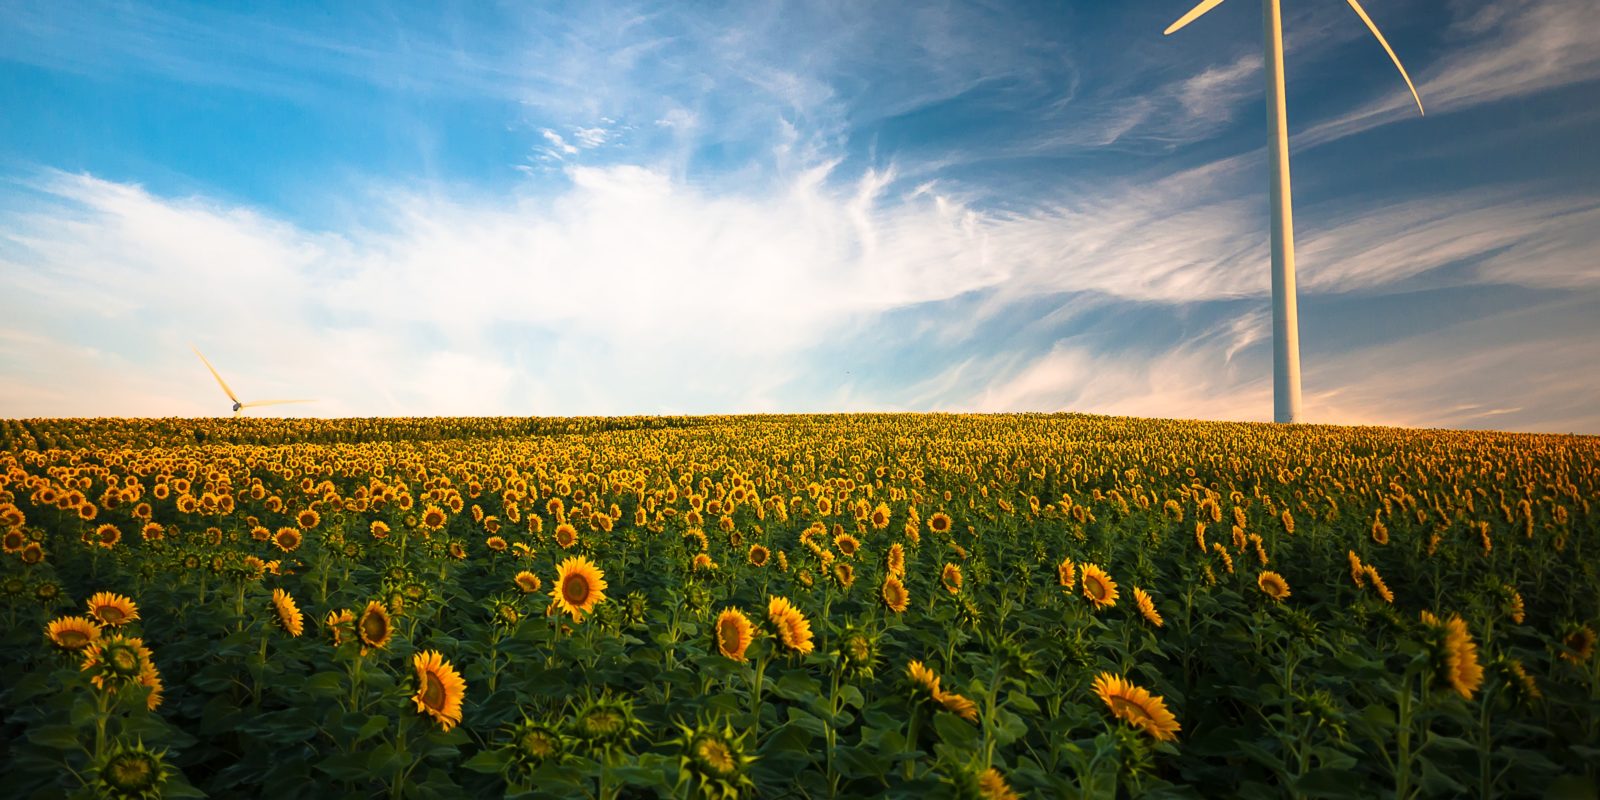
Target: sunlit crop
{"points": [[874, 605]]}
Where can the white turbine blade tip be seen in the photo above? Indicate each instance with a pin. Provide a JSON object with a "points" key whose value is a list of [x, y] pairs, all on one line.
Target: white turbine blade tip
{"points": [[1194, 14], [1372, 26]]}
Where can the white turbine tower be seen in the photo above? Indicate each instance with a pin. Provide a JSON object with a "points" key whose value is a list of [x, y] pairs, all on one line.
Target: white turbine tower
{"points": [[1285, 318], [237, 405]]}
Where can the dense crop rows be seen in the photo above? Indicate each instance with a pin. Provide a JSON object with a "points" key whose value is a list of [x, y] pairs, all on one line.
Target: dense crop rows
{"points": [[1045, 606]]}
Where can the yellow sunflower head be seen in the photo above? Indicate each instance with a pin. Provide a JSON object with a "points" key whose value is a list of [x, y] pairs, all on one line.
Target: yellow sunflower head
{"points": [[440, 688], [1137, 707], [923, 680], [1147, 607], [1455, 654], [1273, 585], [950, 576], [1067, 574], [579, 586], [72, 633], [341, 626], [792, 627], [759, 555], [527, 582], [1098, 586], [894, 594], [288, 612], [734, 633], [288, 539], [374, 627], [112, 609]]}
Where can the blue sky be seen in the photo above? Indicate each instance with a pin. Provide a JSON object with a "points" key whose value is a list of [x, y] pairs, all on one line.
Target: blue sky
{"points": [[603, 208]]}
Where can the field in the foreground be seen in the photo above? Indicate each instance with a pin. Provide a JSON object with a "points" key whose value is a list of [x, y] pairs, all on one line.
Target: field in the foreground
{"points": [[1046, 606]]}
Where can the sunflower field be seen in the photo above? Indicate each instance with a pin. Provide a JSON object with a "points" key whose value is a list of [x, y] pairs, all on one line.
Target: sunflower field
{"points": [[795, 606]]}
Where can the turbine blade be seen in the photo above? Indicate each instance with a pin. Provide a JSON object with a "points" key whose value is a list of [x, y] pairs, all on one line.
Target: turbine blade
{"points": [[1194, 14], [260, 403], [1362, 13], [220, 381]]}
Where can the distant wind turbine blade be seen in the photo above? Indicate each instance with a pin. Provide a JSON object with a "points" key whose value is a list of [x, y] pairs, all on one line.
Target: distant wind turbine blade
{"points": [[220, 381], [1362, 13], [1194, 14], [259, 403]]}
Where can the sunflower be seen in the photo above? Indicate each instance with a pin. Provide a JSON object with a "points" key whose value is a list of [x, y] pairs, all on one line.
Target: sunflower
{"points": [[992, 786], [1457, 653], [308, 519], [1098, 586], [950, 576], [72, 633], [848, 545], [131, 773], [794, 630], [758, 555], [1066, 574], [1514, 606], [1137, 706], [939, 522], [107, 536], [1371, 573], [566, 536], [579, 586], [958, 705], [1578, 644], [374, 628], [527, 582], [13, 540], [433, 518], [379, 529], [716, 760], [289, 615], [496, 543], [1358, 573], [341, 626], [844, 575], [897, 560], [117, 661], [1273, 584], [734, 633], [1147, 607], [288, 539], [894, 594], [113, 609], [922, 678], [880, 516], [439, 688], [534, 743]]}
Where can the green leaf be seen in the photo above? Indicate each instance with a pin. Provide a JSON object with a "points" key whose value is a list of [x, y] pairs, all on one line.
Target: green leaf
{"points": [[373, 726], [489, 762], [1021, 702], [797, 685], [1327, 782], [57, 737], [326, 684], [1571, 787], [955, 731]]}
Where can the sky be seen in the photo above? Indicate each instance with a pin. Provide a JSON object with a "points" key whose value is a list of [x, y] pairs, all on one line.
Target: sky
{"points": [[581, 208]]}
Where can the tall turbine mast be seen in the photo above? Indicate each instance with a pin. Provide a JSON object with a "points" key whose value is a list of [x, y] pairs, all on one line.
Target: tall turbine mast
{"points": [[1285, 305], [1285, 313]]}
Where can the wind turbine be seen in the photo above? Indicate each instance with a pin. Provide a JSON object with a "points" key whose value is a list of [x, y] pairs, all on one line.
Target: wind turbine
{"points": [[1285, 316], [237, 405]]}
